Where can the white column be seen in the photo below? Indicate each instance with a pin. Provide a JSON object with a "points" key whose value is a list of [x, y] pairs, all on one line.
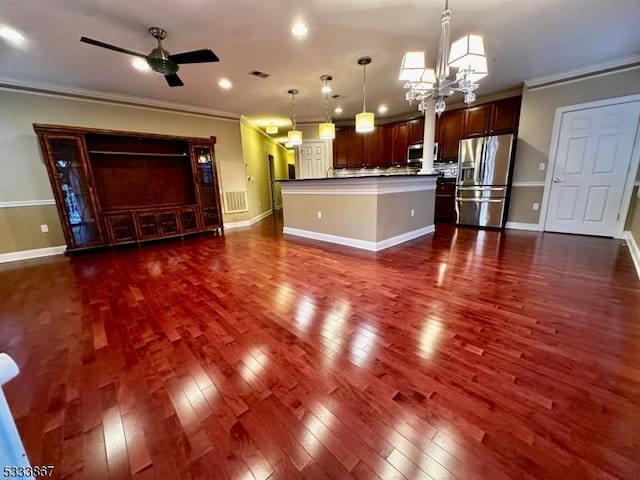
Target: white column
{"points": [[429, 136]]}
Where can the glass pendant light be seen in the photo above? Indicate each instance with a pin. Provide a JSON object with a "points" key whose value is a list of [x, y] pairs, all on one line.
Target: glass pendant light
{"points": [[364, 120], [326, 130], [294, 136]]}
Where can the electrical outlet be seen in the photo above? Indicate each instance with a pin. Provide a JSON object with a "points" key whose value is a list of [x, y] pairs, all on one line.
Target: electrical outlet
{"points": [[319, 214], [44, 228], [541, 166], [413, 212], [535, 206]]}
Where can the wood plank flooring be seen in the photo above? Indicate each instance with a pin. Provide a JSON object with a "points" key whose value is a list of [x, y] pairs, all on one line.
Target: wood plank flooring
{"points": [[465, 354]]}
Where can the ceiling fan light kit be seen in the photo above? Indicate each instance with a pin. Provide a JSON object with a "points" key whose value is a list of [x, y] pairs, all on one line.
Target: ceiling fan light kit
{"points": [[160, 60]]}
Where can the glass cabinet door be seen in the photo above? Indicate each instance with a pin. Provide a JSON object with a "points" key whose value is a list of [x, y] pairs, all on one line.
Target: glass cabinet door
{"points": [[207, 186], [75, 202]]}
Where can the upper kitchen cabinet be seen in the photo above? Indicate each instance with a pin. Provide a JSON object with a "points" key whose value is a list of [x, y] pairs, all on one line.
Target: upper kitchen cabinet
{"points": [[399, 143], [340, 150], [493, 118], [374, 148], [416, 130], [449, 133], [477, 121], [505, 115]]}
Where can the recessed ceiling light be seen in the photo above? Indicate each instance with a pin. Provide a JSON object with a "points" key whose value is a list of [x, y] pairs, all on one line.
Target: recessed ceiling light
{"points": [[225, 83], [338, 110], [383, 109], [299, 29], [140, 64], [12, 36]]}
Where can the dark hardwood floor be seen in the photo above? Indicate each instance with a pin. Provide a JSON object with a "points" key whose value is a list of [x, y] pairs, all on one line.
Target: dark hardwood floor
{"points": [[464, 354]]}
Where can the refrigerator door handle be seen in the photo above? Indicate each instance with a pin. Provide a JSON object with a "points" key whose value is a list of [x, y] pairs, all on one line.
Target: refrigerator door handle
{"points": [[480, 200]]}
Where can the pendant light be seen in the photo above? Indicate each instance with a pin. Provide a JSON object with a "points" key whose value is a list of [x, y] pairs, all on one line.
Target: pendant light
{"points": [[364, 120], [326, 130], [272, 129], [294, 136]]}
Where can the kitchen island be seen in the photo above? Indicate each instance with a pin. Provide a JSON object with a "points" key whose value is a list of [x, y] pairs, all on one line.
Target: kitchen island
{"points": [[368, 212]]}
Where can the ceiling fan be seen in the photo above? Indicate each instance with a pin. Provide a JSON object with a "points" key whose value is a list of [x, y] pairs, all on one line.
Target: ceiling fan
{"points": [[159, 60]]}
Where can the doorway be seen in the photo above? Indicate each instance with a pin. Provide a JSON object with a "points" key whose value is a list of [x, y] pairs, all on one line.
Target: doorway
{"points": [[272, 182], [593, 162]]}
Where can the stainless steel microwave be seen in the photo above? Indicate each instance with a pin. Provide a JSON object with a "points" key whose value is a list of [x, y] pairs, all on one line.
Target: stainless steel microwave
{"points": [[414, 154]]}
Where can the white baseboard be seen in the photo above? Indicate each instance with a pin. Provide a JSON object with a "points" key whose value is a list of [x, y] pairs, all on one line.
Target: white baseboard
{"points": [[247, 223], [362, 244], [524, 226], [634, 250], [35, 253]]}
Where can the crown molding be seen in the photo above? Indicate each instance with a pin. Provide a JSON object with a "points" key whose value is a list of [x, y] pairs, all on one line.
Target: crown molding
{"points": [[112, 98], [251, 124], [610, 66]]}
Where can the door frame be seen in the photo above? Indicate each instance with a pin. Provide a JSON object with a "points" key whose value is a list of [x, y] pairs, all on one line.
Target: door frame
{"points": [[272, 181], [555, 141]]}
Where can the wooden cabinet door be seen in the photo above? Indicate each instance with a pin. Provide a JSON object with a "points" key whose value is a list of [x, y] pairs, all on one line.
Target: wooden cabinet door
{"points": [[69, 173], [387, 144], [477, 121], [400, 143], [445, 203], [207, 187], [506, 115], [451, 124], [416, 130], [373, 148], [121, 228], [355, 149], [340, 148]]}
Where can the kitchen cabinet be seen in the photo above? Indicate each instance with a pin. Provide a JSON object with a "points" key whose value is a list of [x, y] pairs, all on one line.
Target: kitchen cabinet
{"points": [[416, 130], [445, 202], [399, 143], [114, 187], [492, 118], [505, 116], [358, 150], [477, 121], [501, 116], [340, 150], [449, 134]]}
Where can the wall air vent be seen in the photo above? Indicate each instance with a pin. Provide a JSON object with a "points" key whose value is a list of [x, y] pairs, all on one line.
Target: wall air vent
{"points": [[258, 73]]}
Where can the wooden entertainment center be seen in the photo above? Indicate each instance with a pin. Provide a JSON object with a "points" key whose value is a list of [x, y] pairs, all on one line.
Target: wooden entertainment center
{"points": [[115, 187]]}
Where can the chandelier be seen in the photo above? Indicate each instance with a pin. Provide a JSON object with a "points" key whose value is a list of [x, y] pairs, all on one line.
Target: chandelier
{"points": [[466, 55]]}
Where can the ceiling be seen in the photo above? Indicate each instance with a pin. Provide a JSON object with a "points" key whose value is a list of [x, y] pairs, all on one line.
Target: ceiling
{"points": [[524, 39]]}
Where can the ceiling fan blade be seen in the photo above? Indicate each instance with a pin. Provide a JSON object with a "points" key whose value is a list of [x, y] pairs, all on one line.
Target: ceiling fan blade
{"points": [[98, 43], [173, 80], [196, 56]]}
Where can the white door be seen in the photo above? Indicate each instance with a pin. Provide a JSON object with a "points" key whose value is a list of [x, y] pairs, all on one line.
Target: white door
{"points": [[593, 157], [313, 162]]}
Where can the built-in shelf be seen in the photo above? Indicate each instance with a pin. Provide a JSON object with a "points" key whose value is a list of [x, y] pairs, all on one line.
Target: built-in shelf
{"points": [[138, 154]]}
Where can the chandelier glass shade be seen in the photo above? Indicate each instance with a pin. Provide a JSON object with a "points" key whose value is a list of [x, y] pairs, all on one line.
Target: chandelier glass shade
{"points": [[294, 136], [326, 130], [466, 55], [365, 121]]}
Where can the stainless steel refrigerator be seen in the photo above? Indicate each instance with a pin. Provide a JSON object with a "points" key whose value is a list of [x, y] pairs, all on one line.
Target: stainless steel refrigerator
{"points": [[482, 186]]}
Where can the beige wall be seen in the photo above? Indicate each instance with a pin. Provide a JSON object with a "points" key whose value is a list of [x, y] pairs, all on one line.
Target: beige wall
{"points": [[372, 218], [23, 174], [536, 127], [394, 212], [348, 216], [21, 228]]}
